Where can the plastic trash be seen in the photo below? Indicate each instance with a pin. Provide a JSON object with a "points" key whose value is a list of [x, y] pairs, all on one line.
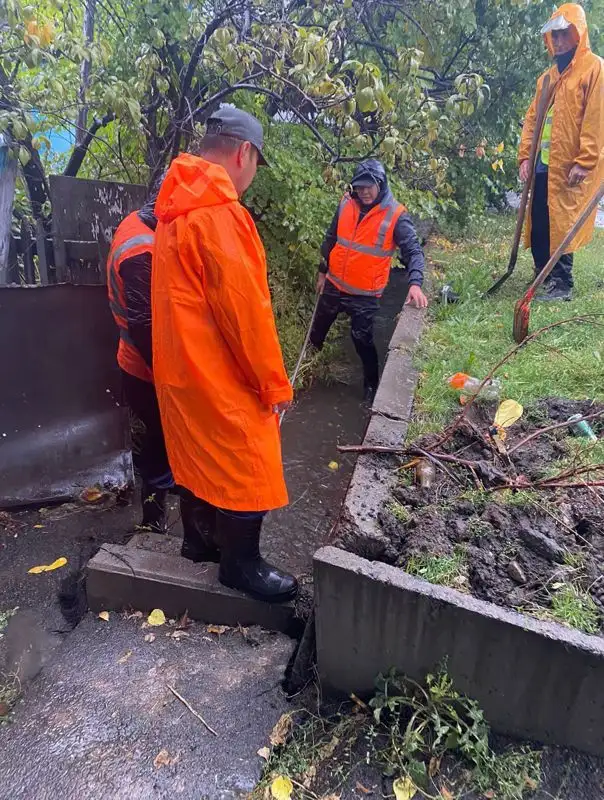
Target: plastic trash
{"points": [[448, 295], [581, 427], [468, 385], [425, 473]]}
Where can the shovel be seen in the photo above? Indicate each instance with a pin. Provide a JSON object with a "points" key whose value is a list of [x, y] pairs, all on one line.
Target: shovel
{"points": [[545, 99], [522, 310]]}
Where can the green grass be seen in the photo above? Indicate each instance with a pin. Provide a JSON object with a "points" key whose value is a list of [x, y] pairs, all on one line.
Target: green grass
{"points": [[575, 608], [442, 570], [475, 334], [399, 511]]}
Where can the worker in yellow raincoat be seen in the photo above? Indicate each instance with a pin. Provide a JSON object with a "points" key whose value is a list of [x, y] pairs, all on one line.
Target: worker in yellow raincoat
{"points": [[570, 164]]}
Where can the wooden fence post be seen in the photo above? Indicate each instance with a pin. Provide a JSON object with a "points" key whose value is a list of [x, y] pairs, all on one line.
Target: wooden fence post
{"points": [[8, 176]]}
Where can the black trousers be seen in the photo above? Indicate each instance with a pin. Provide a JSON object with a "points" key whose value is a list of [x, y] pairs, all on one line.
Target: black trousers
{"points": [[561, 275], [362, 310], [148, 445]]}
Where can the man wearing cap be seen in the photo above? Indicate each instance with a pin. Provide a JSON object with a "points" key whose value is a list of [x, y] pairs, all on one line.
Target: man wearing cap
{"points": [[365, 233], [217, 363], [570, 165]]}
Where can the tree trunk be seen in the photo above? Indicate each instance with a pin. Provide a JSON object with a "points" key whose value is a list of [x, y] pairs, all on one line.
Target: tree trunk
{"points": [[8, 176], [88, 30]]}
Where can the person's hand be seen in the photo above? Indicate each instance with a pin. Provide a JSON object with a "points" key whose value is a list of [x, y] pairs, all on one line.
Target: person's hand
{"points": [[577, 175], [320, 282], [415, 297], [524, 170], [278, 408]]}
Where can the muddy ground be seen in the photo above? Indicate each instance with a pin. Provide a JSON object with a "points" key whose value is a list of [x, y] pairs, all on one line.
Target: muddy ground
{"points": [[516, 548]]}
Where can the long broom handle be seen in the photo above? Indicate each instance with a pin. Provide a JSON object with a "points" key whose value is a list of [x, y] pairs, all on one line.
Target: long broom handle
{"points": [[294, 374], [579, 223], [544, 103]]}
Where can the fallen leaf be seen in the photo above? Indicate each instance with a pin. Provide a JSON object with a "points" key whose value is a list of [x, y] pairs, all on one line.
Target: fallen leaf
{"points": [[104, 615], [125, 657], [434, 766], [38, 526], [60, 562], [357, 701], [134, 615], [532, 784], [404, 788], [282, 788], [92, 494], [360, 788], [156, 617], [333, 465], [178, 635], [264, 753], [164, 759], [183, 622], [149, 637], [281, 730], [218, 629], [4, 710], [445, 793]]}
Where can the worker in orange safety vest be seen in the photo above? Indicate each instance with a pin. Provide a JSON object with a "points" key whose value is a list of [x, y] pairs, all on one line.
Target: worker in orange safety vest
{"points": [[129, 288], [366, 231], [217, 363]]}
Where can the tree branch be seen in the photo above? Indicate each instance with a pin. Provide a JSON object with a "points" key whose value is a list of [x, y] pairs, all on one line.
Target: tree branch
{"points": [[80, 150]]}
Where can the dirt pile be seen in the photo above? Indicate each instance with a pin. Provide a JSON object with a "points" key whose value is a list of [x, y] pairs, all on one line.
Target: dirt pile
{"points": [[535, 547]]}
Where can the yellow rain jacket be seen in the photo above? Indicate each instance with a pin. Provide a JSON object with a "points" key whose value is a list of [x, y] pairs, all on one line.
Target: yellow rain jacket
{"points": [[577, 133]]}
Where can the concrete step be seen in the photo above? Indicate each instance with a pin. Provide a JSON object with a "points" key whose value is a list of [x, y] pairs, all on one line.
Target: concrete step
{"points": [[148, 573]]}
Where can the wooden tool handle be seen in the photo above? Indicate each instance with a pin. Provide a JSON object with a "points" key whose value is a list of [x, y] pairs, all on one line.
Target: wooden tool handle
{"points": [[545, 99], [579, 223]]}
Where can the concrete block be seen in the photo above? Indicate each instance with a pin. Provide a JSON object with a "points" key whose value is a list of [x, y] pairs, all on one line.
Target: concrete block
{"points": [[394, 397], [129, 577], [533, 679], [408, 329]]}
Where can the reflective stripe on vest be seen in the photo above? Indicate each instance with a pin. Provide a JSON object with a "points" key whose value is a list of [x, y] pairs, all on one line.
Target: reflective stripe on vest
{"points": [[546, 137], [378, 250], [346, 287]]}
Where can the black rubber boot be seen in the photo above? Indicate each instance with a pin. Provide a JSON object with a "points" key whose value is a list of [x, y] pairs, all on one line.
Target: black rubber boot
{"points": [[199, 530], [154, 508], [243, 568]]}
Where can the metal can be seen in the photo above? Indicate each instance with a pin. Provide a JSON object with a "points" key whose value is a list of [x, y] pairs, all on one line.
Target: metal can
{"points": [[447, 295], [581, 427]]}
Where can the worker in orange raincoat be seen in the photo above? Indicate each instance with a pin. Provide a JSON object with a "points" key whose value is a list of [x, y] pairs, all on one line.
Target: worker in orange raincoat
{"points": [[570, 165], [217, 363]]}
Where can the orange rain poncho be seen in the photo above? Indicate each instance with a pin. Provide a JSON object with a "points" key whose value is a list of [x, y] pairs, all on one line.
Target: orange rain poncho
{"points": [[216, 357], [577, 133]]}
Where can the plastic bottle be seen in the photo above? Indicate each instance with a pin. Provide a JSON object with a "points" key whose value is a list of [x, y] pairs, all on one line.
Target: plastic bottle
{"points": [[425, 473], [581, 427], [468, 385]]}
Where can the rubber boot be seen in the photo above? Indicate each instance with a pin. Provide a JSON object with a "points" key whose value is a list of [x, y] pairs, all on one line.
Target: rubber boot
{"points": [[243, 568], [199, 530], [154, 508]]}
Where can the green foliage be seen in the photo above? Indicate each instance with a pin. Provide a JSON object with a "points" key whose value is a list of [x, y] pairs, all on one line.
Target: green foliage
{"points": [[399, 511], [438, 569], [424, 723]]}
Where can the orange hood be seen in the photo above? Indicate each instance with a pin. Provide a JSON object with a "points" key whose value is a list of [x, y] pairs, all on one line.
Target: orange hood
{"points": [[573, 13], [192, 182]]}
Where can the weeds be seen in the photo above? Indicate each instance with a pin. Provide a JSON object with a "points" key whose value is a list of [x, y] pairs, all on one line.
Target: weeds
{"points": [[4, 618], [399, 511], [441, 570], [575, 608], [478, 497], [10, 692], [479, 527], [423, 724]]}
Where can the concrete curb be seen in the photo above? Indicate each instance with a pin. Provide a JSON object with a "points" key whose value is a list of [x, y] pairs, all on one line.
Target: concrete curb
{"points": [[533, 679], [131, 577], [373, 479]]}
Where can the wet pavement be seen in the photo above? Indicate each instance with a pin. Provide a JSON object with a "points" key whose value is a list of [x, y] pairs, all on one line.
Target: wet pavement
{"points": [[96, 710]]}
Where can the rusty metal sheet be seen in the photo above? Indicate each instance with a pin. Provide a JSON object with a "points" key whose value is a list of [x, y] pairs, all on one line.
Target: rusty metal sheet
{"points": [[61, 425]]}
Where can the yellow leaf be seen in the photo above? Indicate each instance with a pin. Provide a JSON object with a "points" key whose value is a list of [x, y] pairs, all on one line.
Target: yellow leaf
{"points": [[104, 615], [508, 413], [92, 494], [446, 794], [60, 562], [38, 526], [404, 788], [282, 788], [333, 465], [264, 753], [125, 657], [156, 617], [500, 147], [281, 730]]}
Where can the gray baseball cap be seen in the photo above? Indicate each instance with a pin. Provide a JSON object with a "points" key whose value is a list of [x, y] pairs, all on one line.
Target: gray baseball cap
{"points": [[238, 124]]}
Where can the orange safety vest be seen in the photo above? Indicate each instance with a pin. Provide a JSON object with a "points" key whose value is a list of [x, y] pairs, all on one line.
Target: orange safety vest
{"points": [[131, 238], [360, 261]]}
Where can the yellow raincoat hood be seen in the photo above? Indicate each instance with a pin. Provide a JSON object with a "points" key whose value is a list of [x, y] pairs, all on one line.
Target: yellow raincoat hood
{"points": [[577, 133]]}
